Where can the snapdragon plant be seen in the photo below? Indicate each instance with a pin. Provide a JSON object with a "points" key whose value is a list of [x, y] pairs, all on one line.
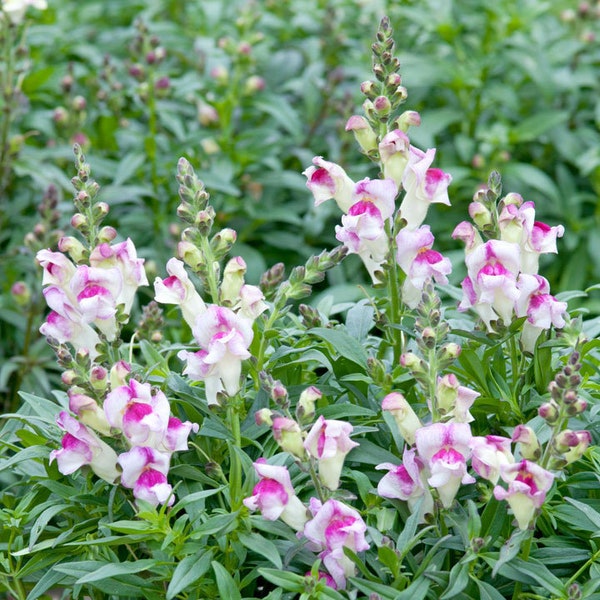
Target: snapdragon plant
{"points": [[424, 442]]}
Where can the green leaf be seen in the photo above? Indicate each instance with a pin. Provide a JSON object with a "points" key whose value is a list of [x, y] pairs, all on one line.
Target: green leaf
{"points": [[487, 591], [343, 343], [532, 127], [227, 586], [215, 524], [291, 582], [187, 572], [114, 569], [43, 520], [459, 579], [261, 545], [588, 511], [360, 320], [510, 549]]}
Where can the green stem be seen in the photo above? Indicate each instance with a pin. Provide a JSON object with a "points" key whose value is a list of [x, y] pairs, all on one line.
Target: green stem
{"points": [[317, 483], [213, 284], [235, 473], [8, 95], [526, 549], [581, 570], [395, 301], [19, 589]]}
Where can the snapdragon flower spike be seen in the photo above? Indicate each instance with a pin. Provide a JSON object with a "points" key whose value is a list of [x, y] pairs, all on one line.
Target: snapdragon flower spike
{"points": [[327, 180], [423, 186], [123, 256], [541, 309], [142, 415], [336, 526], [145, 472], [178, 289], [420, 263], [363, 233], [491, 284], [528, 484], [329, 442], [406, 482], [275, 497], [224, 338], [489, 454], [80, 446], [445, 447]]}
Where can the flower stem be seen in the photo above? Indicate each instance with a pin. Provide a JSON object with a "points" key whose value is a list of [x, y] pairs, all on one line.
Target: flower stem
{"points": [[235, 474]]}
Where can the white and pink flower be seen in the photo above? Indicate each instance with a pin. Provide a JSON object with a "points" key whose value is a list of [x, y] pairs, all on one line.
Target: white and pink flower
{"points": [[327, 180], [336, 526], [454, 399], [489, 453], [275, 497], [406, 482], [394, 154], [405, 417], [446, 448], [528, 484], [145, 471], [178, 289], [541, 309], [420, 263], [329, 442], [80, 446], [423, 186], [224, 338]]}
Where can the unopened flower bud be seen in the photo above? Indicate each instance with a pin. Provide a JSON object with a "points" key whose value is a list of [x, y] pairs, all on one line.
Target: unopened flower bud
{"points": [[305, 409], [409, 118], [73, 247], [279, 394], [70, 377], [101, 209], [119, 373], [404, 416], [549, 411], [220, 73], [79, 221], [393, 80], [513, 198], [107, 234], [429, 337], [411, 361], [288, 435], [137, 71], [222, 242], [207, 114], [400, 93], [98, 377], [21, 293], [264, 416], [382, 106], [363, 132], [570, 397], [254, 84], [529, 445], [579, 406], [369, 89], [60, 115], [210, 146], [78, 103], [481, 215], [162, 84], [190, 254]]}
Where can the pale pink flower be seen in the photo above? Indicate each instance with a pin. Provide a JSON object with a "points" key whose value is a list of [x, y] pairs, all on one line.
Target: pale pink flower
{"points": [[489, 454], [404, 416], [528, 484], [420, 263], [336, 526], [445, 447], [466, 233], [275, 497], [251, 302], [423, 186], [70, 329], [58, 269], [224, 338], [139, 411], [123, 256], [380, 192], [329, 442], [491, 285], [178, 289], [327, 180], [363, 132], [145, 471], [541, 309], [81, 446], [406, 482], [542, 240], [363, 233], [176, 435]]}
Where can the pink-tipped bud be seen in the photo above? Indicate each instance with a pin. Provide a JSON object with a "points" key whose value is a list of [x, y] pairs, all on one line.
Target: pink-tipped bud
{"points": [[73, 247], [288, 435], [78, 103], [482, 216], [119, 374], [79, 221], [305, 409], [107, 234], [21, 293], [529, 445], [363, 132], [264, 416], [549, 411]]}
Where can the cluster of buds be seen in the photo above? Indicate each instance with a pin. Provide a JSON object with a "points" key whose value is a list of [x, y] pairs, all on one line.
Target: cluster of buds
{"points": [[69, 118], [502, 273], [45, 232], [566, 445], [224, 329], [146, 56], [320, 447]]}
